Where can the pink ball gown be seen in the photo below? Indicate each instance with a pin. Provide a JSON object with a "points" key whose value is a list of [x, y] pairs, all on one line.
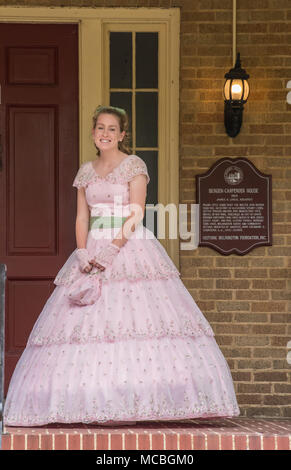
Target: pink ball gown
{"points": [[142, 351]]}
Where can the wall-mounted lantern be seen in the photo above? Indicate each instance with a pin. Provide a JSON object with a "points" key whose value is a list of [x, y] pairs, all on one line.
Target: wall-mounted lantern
{"points": [[236, 91]]}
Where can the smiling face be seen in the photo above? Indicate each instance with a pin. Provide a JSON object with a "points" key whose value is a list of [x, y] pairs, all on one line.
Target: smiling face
{"points": [[107, 132]]}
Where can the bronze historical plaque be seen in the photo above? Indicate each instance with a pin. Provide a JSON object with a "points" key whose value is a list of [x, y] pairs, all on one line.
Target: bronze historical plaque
{"points": [[235, 206]]}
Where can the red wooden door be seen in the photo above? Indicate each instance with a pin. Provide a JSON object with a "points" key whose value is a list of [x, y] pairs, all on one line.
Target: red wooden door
{"points": [[39, 159]]}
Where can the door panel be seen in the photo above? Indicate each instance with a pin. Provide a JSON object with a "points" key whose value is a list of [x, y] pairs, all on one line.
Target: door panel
{"points": [[39, 136], [30, 132]]}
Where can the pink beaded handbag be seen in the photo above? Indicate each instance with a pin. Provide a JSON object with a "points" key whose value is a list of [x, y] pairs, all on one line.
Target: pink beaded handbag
{"points": [[85, 290]]}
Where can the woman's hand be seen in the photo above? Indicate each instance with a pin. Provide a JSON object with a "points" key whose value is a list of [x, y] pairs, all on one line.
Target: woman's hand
{"points": [[105, 257], [83, 258]]}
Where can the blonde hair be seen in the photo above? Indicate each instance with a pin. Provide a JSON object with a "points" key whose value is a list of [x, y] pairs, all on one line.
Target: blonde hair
{"points": [[122, 117]]}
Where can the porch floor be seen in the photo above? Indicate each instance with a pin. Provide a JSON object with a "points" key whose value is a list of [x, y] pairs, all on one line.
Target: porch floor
{"points": [[194, 434]]}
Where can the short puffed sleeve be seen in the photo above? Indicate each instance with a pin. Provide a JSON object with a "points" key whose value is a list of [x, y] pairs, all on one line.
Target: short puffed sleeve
{"points": [[81, 178], [136, 166]]}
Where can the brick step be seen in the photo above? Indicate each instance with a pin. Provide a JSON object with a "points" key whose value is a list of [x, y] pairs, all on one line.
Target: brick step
{"points": [[194, 434]]}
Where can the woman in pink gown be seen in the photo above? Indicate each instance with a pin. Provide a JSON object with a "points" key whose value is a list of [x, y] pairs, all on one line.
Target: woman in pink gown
{"points": [[120, 339]]}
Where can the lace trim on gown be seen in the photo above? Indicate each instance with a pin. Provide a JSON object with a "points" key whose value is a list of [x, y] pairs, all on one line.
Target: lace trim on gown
{"points": [[172, 381], [130, 167], [139, 315], [138, 259]]}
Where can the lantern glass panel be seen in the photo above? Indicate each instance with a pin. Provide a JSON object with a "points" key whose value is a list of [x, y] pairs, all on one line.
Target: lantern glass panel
{"points": [[233, 89], [226, 89], [246, 90]]}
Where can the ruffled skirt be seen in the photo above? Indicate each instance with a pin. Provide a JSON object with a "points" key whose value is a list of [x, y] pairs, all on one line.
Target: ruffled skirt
{"points": [[143, 351]]}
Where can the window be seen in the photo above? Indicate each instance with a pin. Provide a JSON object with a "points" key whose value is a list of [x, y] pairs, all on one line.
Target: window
{"points": [[134, 86]]}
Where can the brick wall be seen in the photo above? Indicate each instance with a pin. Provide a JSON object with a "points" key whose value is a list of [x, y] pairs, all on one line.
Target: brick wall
{"points": [[245, 298]]}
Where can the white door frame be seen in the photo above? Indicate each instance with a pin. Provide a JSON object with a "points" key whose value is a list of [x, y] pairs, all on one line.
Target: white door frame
{"points": [[92, 24]]}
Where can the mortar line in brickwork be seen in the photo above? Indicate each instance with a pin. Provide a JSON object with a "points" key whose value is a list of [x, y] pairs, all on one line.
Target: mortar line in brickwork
{"points": [[177, 434], [151, 440], [217, 433], [192, 441], [276, 442], [203, 435], [219, 441], [164, 439]]}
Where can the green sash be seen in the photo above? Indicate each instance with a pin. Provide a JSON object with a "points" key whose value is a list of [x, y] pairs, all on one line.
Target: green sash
{"points": [[100, 221]]}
